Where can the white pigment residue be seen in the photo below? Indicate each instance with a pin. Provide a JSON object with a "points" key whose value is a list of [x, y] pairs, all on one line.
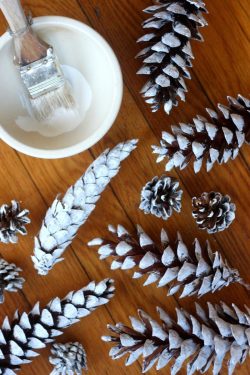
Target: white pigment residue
{"points": [[63, 120]]}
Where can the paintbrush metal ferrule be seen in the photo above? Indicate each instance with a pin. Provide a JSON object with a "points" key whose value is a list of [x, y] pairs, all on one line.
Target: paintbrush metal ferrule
{"points": [[39, 68], [42, 76]]}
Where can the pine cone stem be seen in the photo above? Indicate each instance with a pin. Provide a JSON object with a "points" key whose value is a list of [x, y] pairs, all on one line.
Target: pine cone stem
{"points": [[67, 215], [195, 272], [21, 338], [217, 139], [203, 339]]}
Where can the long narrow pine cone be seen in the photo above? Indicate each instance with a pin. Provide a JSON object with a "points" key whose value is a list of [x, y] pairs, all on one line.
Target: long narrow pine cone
{"points": [[10, 280], [13, 220], [205, 339], [167, 54], [217, 139], [68, 359], [67, 215], [21, 338], [213, 211], [172, 264]]}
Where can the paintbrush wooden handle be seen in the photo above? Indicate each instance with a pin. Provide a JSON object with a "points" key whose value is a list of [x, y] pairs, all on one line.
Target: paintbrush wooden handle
{"points": [[28, 46], [14, 15]]}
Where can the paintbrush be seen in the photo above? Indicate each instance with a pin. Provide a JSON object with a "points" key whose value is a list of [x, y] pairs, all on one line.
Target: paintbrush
{"points": [[39, 68]]}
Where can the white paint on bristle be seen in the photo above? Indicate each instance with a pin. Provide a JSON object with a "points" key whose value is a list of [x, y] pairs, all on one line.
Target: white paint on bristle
{"points": [[63, 120]]}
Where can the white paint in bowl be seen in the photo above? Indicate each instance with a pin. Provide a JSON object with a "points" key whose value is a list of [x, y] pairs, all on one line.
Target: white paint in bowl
{"points": [[77, 46], [62, 120]]}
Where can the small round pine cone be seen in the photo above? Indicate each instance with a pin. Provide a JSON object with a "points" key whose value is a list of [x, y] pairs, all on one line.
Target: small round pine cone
{"points": [[10, 280], [161, 196], [12, 221], [68, 359], [213, 211]]}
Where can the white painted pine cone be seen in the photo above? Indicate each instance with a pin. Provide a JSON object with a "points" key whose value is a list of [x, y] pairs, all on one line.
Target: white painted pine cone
{"points": [[67, 215], [10, 280], [167, 51], [215, 139], [68, 359], [192, 271], [13, 221], [203, 339], [21, 338]]}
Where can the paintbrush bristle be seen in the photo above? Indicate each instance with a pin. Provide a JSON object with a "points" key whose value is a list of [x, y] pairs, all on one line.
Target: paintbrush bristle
{"points": [[44, 106]]}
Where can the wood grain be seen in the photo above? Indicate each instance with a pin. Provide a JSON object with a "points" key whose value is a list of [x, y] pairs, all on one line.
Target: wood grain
{"points": [[221, 68]]}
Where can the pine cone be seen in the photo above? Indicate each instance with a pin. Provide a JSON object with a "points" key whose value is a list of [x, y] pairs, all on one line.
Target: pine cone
{"points": [[10, 281], [213, 211], [203, 339], [68, 359], [20, 339], [161, 196], [12, 221], [194, 272], [66, 216], [215, 140], [167, 55]]}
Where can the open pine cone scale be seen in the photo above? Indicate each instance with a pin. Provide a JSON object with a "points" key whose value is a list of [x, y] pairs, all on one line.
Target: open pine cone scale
{"points": [[239, 110]]}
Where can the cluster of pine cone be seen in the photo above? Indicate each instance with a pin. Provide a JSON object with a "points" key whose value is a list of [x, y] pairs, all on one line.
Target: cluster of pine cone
{"points": [[212, 211]]}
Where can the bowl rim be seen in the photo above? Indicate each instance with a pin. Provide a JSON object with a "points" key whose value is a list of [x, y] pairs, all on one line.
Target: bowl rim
{"points": [[113, 109]]}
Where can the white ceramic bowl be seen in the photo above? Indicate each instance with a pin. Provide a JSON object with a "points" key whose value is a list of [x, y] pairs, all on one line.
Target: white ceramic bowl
{"points": [[81, 47]]}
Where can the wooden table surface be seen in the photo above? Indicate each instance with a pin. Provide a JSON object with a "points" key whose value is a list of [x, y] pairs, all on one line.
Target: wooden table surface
{"points": [[221, 68]]}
